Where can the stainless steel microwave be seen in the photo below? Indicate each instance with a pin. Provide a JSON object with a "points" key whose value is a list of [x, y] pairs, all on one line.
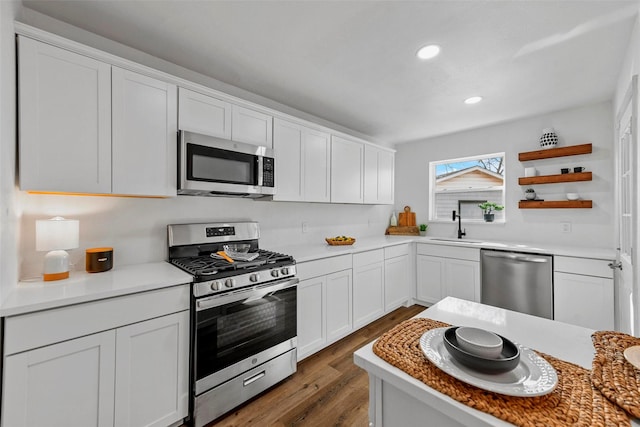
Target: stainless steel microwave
{"points": [[209, 166]]}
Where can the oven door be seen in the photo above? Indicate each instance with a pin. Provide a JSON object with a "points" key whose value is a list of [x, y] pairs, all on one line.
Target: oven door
{"points": [[208, 164], [235, 332]]}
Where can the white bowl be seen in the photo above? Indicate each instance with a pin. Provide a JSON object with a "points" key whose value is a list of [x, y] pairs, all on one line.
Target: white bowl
{"points": [[572, 196], [479, 342]]}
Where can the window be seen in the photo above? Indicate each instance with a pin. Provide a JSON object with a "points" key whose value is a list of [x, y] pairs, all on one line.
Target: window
{"points": [[462, 184]]}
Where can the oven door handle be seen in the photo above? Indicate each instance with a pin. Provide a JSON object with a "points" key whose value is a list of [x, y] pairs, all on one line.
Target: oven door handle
{"points": [[252, 294]]}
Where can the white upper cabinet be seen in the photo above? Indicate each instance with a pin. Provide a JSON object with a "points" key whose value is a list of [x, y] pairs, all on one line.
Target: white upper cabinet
{"points": [[64, 120], [347, 170], [251, 127], [303, 156], [204, 114], [145, 130], [378, 175]]}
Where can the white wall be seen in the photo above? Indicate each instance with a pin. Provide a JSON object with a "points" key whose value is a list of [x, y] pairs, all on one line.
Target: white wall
{"points": [[590, 227]]}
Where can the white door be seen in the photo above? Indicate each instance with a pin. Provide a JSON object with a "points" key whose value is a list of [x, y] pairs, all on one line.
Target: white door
{"points": [[152, 377], [287, 144], [310, 316], [339, 317], [204, 114], [251, 127], [368, 293], [396, 282], [347, 171], [66, 384], [64, 120], [317, 161], [626, 218], [462, 279], [144, 135], [430, 280]]}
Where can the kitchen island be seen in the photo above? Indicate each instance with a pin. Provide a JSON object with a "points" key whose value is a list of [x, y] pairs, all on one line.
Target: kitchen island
{"points": [[398, 399]]}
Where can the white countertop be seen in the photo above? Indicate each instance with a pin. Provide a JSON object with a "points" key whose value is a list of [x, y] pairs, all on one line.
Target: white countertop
{"points": [[568, 342], [29, 296], [309, 252]]}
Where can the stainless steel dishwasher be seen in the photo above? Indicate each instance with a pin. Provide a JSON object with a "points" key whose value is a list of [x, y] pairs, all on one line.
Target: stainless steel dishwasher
{"points": [[517, 281]]}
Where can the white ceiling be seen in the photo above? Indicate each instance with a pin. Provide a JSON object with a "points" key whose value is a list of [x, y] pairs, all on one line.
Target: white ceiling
{"points": [[353, 62]]}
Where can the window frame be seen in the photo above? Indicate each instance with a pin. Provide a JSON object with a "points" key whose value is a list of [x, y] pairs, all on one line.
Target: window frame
{"points": [[432, 185]]}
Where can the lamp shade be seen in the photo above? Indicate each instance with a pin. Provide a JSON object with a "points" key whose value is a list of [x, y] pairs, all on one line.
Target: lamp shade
{"points": [[57, 233]]}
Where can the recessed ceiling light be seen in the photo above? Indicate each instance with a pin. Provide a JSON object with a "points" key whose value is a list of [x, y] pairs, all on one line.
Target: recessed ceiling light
{"points": [[428, 52], [473, 100]]}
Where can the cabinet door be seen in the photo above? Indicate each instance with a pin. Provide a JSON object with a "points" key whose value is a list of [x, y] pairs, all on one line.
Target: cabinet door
{"points": [[462, 279], [64, 120], [338, 317], [251, 127], [204, 114], [144, 135], [368, 293], [317, 160], [287, 144], [430, 280], [396, 282], [347, 171], [586, 301], [65, 384], [311, 309], [386, 170], [152, 376], [370, 174]]}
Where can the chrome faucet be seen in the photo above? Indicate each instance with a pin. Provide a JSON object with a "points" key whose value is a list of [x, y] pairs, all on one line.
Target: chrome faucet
{"points": [[461, 232]]}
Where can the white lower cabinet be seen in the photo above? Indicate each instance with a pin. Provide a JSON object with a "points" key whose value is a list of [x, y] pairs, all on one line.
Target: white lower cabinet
{"points": [[128, 375], [397, 277], [447, 271], [583, 292], [65, 384], [324, 303], [368, 287]]}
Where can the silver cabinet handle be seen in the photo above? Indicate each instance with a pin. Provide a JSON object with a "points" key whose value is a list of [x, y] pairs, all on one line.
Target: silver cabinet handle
{"points": [[516, 257], [256, 377]]}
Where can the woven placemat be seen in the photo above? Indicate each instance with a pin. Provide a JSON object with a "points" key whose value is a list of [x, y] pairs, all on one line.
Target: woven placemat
{"points": [[574, 402], [616, 378]]}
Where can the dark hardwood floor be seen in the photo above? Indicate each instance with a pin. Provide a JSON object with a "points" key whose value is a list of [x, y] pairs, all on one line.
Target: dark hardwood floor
{"points": [[327, 390]]}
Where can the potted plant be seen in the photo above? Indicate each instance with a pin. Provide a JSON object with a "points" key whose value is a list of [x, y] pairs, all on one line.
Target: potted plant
{"points": [[529, 194], [423, 229], [488, 208]]}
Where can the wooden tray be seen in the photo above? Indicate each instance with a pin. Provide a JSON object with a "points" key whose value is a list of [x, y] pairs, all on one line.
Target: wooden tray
{"points": [[403, 231]]}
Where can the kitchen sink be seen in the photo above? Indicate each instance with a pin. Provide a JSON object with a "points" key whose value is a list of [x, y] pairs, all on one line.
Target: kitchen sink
{"points": [[453, 239]]}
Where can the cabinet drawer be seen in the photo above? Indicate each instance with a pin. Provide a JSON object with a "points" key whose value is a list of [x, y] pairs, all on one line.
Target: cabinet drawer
{"points": [[444, 251], [46, 327], [584, 266], [395, 251], [324, 266], [369, 257]]}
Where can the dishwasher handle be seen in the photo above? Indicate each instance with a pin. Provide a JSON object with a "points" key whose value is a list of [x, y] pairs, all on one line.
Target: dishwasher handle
{"points": [[517, 257]]}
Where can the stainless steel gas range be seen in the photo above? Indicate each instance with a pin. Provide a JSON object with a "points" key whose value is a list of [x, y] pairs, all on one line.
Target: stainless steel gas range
{"points": [[243, 330]]}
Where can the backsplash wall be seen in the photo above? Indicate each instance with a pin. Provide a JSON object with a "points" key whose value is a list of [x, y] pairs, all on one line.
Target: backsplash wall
{"points": [[590, 227], [137, 228]]}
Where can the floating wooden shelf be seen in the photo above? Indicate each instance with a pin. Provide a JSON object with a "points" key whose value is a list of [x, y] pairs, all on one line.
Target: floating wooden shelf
{"points": [[550, 153], [552, 179], [555, 204]]}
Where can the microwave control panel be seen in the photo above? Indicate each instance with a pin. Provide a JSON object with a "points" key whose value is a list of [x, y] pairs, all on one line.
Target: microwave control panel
{"points": [[267, 172]]}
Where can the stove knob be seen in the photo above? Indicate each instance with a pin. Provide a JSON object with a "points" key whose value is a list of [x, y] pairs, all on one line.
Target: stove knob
{"points": [[230, 283], [285, 271], [215, 286], [254, 277], [275, 273]]}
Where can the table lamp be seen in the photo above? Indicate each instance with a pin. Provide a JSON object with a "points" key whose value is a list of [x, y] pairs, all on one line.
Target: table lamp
{"points": [[55, 235]]}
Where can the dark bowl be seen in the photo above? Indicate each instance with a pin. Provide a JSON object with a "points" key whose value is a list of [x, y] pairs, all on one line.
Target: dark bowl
{"points": [[508, 360]]}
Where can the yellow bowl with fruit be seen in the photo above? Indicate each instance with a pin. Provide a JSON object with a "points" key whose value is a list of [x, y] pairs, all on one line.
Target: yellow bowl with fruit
{"points": [[340, 240]]}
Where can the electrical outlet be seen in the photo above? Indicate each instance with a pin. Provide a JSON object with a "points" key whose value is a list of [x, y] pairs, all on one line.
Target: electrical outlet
{"points": [[305, 227], [566, 227]]}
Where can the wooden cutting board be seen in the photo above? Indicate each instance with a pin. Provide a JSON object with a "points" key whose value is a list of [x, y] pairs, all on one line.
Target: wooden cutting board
{"points": [[407, 218]]}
